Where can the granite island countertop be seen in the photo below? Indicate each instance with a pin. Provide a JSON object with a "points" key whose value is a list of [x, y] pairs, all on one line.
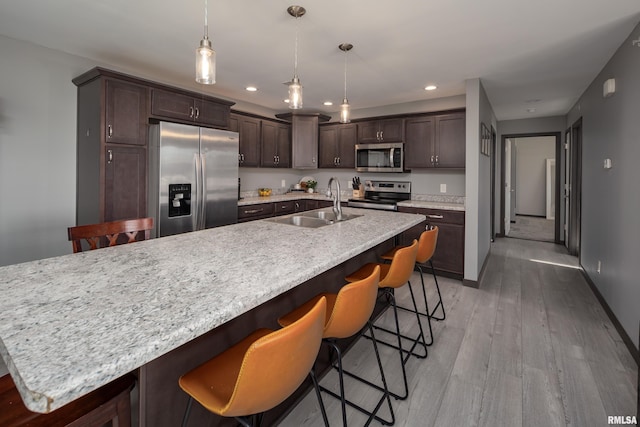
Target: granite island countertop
{"points": [[73, 323]]}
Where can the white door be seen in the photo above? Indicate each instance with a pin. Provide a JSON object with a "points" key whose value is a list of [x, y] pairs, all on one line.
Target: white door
{"points": [[507, 186]]}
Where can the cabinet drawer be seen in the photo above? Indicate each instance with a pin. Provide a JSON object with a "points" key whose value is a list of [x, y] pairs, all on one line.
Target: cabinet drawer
{"points": [[437, 215], [262, 210], [282, 208]]}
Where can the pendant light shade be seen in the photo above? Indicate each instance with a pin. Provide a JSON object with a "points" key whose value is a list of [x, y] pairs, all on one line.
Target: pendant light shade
{"points": [[205, 56], [345, 109], [295, 87]]}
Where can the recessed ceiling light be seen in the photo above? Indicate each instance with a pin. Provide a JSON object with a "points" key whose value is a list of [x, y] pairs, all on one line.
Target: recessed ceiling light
{"points": [[431, 87], [327, 103], [532, 101], [286, 100], [251, 88], [531, 110]]}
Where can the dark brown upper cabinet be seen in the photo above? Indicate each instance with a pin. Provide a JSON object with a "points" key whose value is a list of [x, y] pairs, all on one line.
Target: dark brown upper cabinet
{"points": [[276, 144], [189, 109], [248, 129], [435, 141], [336, 145], [125, 113], [383, 130]]}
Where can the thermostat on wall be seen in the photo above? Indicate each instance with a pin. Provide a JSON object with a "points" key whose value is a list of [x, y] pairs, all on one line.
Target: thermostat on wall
{"points": [[609, 88]]}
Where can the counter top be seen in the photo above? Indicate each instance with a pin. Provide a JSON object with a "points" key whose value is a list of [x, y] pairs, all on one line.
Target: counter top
{"points": [[296, 195], [71, 324], [432, 205], [426, 204]]}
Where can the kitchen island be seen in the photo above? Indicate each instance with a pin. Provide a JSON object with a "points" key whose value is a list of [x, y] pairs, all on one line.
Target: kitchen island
{"points": [[71, 324]]}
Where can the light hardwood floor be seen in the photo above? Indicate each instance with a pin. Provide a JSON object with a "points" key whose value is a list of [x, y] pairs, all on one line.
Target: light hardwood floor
{"points": [[532, 347]]}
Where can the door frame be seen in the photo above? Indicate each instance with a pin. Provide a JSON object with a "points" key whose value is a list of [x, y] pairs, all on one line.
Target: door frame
{"points": [[575, 191], [493, 183], [558, 137]]}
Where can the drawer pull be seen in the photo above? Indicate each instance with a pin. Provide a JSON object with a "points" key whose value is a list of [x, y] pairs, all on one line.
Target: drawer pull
{"points": [[252, 211], [435, 216]]}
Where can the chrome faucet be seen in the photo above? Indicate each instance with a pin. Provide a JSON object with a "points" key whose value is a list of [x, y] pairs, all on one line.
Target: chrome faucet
{"points": [[337, 209]]}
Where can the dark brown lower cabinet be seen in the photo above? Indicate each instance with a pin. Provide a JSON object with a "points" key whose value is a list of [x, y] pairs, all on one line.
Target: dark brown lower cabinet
{"points": [[125, 189], [449, 255], [268, 210]]}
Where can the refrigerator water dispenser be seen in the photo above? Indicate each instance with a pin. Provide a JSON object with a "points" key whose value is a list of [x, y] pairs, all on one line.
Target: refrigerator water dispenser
{"points": [[179, 200]]}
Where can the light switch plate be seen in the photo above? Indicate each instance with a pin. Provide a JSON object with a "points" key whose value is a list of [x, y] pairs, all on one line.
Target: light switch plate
{"points": [[443, 188]]}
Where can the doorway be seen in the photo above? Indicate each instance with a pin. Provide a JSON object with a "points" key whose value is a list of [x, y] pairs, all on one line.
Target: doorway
{"points": [[526, 215]]}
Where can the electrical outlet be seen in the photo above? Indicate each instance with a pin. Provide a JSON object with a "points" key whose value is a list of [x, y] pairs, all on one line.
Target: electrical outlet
{"points": [[599, 269], [283, 183], [443, 188]]}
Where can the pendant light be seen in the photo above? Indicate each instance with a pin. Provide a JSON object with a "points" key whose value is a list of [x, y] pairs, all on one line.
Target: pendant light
{"points": [[295, 87], [344, 107], [205, 55]]}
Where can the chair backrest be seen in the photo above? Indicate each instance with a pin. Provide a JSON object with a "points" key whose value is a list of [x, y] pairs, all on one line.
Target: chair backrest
{"points": [[353, 307], [109, 233], [401, 267], [275, 365], [427, 245]]}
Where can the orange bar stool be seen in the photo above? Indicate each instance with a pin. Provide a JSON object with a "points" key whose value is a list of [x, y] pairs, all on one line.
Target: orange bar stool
{"points": [[259, 372], [392, 276], [348, 312], [426, 249]]}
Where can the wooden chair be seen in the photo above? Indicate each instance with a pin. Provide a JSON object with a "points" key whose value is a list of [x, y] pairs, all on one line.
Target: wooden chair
{"points": [[108, 403], [110, 233]]}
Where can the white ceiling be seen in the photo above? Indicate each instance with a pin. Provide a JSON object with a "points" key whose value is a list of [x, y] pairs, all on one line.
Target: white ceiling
{"points": [[536, 54]]}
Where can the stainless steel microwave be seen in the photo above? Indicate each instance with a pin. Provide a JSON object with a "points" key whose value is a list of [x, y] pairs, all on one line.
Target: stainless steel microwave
{"points": [[383, 157]]}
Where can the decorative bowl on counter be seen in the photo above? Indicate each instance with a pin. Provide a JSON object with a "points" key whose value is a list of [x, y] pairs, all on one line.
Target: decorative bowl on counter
{"points": [[264, 192]]}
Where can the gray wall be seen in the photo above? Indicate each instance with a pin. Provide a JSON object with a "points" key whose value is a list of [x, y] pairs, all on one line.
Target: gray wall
{"points": [[531, 174], [610, 201], [477, 182]]}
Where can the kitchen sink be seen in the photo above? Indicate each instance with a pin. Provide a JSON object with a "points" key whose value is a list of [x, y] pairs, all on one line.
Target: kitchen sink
{"points": [[327, 215], [313, 219]]}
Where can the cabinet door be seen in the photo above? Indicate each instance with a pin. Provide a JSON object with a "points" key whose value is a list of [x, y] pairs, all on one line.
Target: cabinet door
{"points": [[126, 113], [419, 140], [449, 254], [327, 146], [249, 135], [391, 130], [125, 189], [450, 140], [269, 146], [172, 105], [347, 137], [305, 151], [212, 113], [283, 144], [368, 132]]}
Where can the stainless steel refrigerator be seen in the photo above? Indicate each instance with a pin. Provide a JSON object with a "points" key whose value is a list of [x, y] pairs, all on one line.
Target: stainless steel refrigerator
{"points": [[193, 178]]}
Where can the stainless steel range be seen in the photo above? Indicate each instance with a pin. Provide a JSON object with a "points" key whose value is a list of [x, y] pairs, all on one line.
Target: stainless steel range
{"points": [[383, 195]]}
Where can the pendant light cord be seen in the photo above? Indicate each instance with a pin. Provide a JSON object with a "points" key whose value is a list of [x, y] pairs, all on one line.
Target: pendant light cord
{"points": [[206, 19], [345, 74], [295, 52]]}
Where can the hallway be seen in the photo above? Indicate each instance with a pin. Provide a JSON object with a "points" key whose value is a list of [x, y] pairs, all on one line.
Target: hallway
{"points": [[532, 347]]}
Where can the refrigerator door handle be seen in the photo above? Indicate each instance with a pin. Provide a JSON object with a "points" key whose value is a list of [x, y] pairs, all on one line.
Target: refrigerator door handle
{"points": [[195, 217], [203, 197]]}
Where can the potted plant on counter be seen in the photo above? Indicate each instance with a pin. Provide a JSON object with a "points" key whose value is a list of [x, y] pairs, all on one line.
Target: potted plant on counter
{"points": [[311, 185]]}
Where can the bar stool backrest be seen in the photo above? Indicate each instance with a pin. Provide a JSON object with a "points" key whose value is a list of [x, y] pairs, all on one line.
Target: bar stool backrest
{"points": [[353, 307], [427, 245], [401, 267], [275, 365], [110, 233]]}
